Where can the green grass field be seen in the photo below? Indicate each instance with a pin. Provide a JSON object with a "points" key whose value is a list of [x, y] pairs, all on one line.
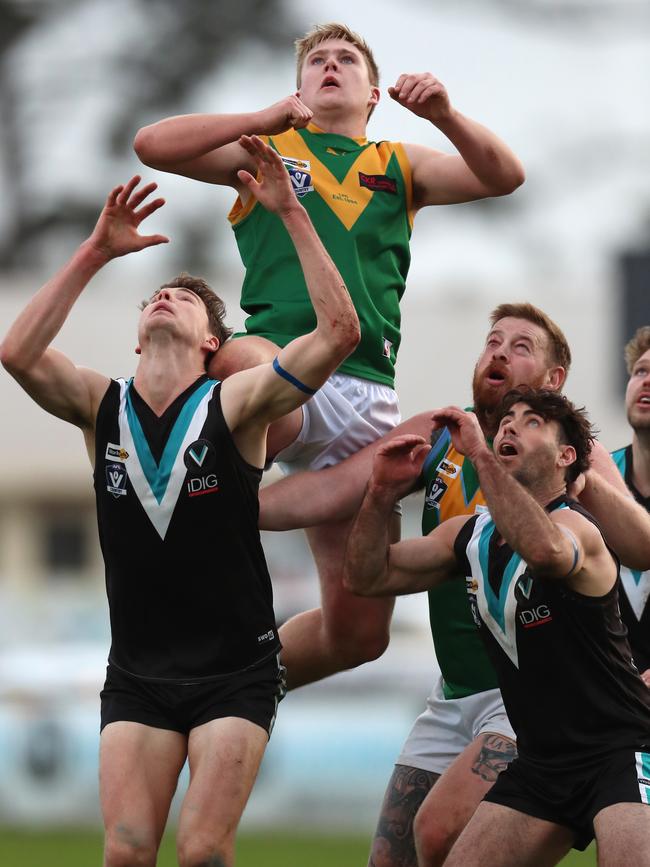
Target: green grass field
{"points": [[84, 848]]}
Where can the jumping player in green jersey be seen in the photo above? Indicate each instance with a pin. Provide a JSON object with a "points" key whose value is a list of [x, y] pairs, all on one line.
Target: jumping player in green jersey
{"points": [[193, 671], [362, 197], [542, 586], [633, 462]]}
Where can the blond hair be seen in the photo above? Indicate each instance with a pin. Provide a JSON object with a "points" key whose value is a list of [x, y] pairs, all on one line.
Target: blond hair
{"points": [[639, 344], [559, 352], [321, 33]]}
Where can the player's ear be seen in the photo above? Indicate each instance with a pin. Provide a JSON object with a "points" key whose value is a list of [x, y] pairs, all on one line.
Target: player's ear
{"points": [[567, 456], [211, 343], [555, 377], [375, 96]]}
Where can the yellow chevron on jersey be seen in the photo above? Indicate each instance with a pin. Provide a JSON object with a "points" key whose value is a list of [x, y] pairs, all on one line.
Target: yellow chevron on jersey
{"points": [[346, 198]]}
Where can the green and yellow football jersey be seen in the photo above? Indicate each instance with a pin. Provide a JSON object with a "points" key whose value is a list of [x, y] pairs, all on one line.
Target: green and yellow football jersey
{"points": [[452, 489], [359, 197]]}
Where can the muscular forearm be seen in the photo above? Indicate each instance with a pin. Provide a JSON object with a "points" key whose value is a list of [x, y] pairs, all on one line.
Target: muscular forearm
{"points": [[188, 136], [336, 318], [487, 156], [522, 522], [366, 561], [42, 319], [625, 524]]}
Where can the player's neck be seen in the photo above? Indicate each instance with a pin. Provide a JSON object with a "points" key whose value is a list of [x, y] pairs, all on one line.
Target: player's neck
{"points": [[165, 370], [341, 123], [641, 462], [544, 493]]}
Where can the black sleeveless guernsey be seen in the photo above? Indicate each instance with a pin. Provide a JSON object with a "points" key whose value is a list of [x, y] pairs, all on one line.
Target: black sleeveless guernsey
{"points": [[562, 659], [189, 592]]}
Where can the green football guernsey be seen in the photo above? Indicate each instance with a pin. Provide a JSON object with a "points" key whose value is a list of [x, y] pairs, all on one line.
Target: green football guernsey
{"points": [[358, 195], [452, 489]]}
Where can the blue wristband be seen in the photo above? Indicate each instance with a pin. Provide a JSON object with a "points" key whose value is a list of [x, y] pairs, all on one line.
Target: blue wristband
{"points": [[292, 379]]}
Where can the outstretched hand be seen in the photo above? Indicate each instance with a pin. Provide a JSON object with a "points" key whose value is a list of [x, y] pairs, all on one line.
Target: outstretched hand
{"points": [[464, 429], [398, 463], [116, 232], [273, 189], [422, 94]]}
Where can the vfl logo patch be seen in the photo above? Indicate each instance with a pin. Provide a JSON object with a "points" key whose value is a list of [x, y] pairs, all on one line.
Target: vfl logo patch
{"points": [[116, 480], [471, 585], [199, 456], [115, 452], [434, 494], [266, 636], [447, 468], [378, 183], [301, 179], [387, 347]]}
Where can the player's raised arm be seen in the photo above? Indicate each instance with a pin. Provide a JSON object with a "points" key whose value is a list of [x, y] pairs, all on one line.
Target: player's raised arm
{"points": [[484, 166], [206, 146], [59, 386], [374, 567], [562, 544], [255, 397], [625, 524]]}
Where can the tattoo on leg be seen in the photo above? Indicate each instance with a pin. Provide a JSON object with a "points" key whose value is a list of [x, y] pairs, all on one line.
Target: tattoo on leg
{"points": [[495, 755], [394, 843]]}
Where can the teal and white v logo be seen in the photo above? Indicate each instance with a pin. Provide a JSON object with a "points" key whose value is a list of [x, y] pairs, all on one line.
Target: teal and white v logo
{"points": [[497, 612], [637, 589], [198, 459], [158, 486]]}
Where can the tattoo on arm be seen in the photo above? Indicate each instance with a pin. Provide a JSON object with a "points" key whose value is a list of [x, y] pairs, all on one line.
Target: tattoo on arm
{"points": [[394, 843], [495, 755]]}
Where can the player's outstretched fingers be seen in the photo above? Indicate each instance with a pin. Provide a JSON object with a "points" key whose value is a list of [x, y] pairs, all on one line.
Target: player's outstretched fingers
{"points": [[247, 178], [401, 443], [255, 146], [148, 209], [153, 240], [127, 189], [111, 199], [138, 196]]}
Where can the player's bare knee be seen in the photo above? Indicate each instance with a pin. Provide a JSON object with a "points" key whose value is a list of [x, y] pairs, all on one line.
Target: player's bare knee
{"points": [[204, 850], [124, 847], [354, 647], [241, 354], [433, 840]]}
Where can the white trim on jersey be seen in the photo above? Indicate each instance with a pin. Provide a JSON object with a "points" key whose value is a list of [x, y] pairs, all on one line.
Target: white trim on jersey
{"points": [[160, 514], [505, 635]]}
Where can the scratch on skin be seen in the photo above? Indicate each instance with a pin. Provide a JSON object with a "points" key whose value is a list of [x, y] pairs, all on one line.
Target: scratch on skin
{"points": [[495, 755]]}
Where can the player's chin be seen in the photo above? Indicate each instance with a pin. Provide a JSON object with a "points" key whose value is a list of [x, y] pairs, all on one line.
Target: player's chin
{"points": [[488, 396]]}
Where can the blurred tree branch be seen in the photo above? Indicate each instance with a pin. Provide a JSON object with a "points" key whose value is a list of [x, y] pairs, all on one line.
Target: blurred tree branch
{"points": [[179, 45]]}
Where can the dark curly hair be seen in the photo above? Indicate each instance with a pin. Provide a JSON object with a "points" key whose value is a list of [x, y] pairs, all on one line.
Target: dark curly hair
{"points": [[213, 304], [575, 428]]}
